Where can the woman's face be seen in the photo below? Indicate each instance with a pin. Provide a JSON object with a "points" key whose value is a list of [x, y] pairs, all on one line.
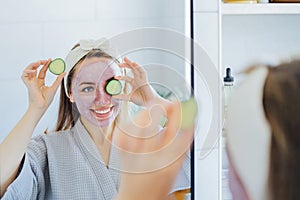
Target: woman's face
{"points": [[88, 91]]}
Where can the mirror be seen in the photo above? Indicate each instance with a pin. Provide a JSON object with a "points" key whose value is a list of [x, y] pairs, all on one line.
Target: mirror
{"points": [[40, 30]]}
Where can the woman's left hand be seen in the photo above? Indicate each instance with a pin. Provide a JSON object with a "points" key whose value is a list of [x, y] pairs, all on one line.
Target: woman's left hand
{"points": [[141, 91]]}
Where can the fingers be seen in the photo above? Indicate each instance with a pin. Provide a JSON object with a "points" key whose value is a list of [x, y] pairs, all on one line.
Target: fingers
{"points": [[31, 70], [165, 149], [58, 81], [173, 123], [28, 74], [139, 136], [123, 97], [128, 79], [181, 138], [133, 66], [138, 68], [43, 71], [36, 64], [147, 123], [157, 113]]}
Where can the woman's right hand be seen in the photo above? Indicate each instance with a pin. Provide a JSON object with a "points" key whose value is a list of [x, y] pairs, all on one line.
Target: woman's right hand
{"points": [[148, 155], [40, 95]]}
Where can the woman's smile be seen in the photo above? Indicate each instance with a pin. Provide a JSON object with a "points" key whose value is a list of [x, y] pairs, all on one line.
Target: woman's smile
{"points": [[103, 113]]}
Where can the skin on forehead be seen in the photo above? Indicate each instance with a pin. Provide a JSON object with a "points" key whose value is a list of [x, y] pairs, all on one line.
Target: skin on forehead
{"points": [[95, 67]]}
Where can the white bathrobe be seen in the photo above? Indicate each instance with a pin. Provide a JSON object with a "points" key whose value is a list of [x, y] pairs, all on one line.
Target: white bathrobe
{"points": [[67, 165]]}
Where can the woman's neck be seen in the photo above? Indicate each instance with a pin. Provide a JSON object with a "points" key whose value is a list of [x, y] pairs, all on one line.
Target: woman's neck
{"points": [[101, 137]]}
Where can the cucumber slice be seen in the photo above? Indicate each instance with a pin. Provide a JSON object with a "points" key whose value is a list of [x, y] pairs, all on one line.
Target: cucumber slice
{"points": [[163, 121], [57, 66], [113, 87], [189, 110]]}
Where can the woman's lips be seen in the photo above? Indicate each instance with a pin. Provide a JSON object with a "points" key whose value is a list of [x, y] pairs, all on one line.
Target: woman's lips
{"points": [[102, 113]]}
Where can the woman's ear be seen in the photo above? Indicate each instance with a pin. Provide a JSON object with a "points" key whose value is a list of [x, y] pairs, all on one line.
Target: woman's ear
{"points": [[71, 98]]}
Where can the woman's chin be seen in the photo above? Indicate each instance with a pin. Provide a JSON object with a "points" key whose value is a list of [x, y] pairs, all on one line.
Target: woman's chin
{"points": [[100, 122], [103, 123]]}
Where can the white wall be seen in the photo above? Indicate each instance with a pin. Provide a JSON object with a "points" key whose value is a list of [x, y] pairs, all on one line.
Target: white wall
{"points": [[259, 39], [38, 29]]}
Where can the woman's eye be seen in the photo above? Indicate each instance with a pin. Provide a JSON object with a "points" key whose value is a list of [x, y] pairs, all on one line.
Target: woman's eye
{"points": [[88, 89]]}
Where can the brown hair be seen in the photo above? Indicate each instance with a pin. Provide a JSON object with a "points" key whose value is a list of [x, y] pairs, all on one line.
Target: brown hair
{"points": [[281, 102], [68, 113]]}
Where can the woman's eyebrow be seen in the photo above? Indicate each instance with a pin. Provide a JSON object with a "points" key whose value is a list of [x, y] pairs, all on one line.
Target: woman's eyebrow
{"points": [[87, 83]]}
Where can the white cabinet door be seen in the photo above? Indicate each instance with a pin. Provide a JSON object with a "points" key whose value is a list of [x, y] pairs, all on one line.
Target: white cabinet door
{"points": [[205, 5], [207, 168]]}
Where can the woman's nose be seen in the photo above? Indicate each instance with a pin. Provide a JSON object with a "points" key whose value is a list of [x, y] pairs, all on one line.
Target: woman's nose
{"points": [[102, 97]]}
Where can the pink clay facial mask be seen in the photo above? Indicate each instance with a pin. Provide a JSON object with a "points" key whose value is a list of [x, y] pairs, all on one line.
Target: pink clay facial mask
{"points": [[88, 90]]}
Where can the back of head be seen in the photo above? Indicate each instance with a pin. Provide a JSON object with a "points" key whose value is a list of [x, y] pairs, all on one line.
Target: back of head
{"points": [[281, 101], [263, 142]]}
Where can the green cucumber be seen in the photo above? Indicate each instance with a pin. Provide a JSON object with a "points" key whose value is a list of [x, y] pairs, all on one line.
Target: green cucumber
{"points": [[113, 87], [163, 121], [189, 111], [57, 66]]}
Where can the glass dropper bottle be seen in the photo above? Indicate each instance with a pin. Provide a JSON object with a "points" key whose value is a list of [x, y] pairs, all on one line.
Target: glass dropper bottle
{"points": [[227, 89]]}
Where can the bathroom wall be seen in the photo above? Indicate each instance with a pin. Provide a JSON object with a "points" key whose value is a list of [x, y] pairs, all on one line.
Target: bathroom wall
{"points": [[268, 39], [38, 29]]}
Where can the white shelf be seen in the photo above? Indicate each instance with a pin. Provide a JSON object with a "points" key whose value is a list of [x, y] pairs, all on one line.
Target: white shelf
{"points": [[260, 8]]}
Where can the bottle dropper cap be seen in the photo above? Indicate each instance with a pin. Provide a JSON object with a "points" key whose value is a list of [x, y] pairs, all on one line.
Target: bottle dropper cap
{"points": [[228, 77]]}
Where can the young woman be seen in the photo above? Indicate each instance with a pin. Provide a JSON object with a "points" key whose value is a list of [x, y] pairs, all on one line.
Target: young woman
{"points": [[78, 160], [263, 134]]}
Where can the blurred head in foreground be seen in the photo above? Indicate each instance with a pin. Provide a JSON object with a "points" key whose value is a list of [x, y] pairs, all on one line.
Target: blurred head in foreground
{"points": [[264, 134]]}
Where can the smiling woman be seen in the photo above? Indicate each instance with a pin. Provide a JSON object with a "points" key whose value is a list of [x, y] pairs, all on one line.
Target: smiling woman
{"points": [[80, 150], [88, 91]]}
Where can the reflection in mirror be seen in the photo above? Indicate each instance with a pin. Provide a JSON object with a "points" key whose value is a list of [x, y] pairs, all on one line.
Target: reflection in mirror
{"points": [[44, 30]]}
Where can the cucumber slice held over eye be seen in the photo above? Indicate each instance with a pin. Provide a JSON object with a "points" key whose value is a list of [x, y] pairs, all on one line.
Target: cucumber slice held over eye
{"points": [[57, 66], [113, 87], [189, 111]]}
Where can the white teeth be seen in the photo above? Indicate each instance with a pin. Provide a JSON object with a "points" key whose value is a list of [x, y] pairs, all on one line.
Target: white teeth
{"points": [[102, 111]]}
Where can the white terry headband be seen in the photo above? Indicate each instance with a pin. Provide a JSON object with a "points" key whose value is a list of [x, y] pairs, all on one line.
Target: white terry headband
{"points": [[249, 134], [85, 46]]}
